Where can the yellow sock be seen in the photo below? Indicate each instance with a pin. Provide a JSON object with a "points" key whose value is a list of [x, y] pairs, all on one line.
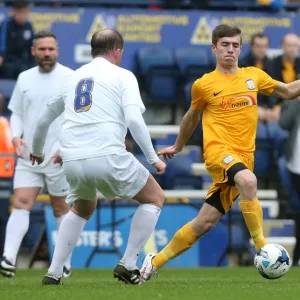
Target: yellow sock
{"points": [[253, 216], [183, 240]]}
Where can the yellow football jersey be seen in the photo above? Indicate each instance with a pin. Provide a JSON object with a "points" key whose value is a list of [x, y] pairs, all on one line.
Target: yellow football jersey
{"points": [[230, 113]]}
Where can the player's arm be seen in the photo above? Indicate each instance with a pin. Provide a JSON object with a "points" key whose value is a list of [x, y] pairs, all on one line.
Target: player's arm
{"points": [[133, 108], [188, 124], [16, 120], [187, 127], [53, 110], [139, 131], [287, 91]]}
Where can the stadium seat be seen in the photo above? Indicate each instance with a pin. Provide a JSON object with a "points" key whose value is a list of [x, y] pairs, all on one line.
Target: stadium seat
{"points": [[187, 93], [193, 63], [7, 87], [159, 72], [168, 140], [238, 235], [263, 152], [159, 77], [179, 174]]}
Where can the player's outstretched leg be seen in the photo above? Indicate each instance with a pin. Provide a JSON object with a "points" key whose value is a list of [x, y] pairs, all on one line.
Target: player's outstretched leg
{"points": [[151, 198], [183, 240], [67, 238]]}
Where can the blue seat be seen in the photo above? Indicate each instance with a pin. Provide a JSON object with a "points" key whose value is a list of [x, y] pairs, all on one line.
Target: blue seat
{"points": [[154, 57], [193, 63], [237, 234], [179, 174], [7, 87], [159, 73], [239, 231], [193, 152], [167, 140], [263, 152], [187, 93]]}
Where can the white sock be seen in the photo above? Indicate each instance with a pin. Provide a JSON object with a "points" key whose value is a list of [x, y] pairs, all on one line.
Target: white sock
{"points": [[67, 238], [142, 226], [58, 220], [16, 228]]}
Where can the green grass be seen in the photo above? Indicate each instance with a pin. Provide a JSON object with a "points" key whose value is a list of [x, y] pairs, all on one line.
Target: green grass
{"points": [[172, 284]]}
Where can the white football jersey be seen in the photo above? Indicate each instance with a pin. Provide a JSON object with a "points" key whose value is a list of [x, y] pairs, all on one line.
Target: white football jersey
{"points": [[31, 94], [93, 101]]}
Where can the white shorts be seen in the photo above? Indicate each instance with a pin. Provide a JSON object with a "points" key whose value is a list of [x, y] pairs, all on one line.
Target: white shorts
{"points": [[113, 175], [53, 179]]}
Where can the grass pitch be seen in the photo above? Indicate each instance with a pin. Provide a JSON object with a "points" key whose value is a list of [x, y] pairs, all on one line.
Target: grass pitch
{"points": [[172, 284]]}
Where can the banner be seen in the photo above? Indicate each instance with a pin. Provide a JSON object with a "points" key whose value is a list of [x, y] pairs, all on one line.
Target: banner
{"points": [[206, 252], [142, 28]]}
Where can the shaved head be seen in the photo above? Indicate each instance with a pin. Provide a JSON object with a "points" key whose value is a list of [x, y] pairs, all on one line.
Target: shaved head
{"points": [[106, 41], [290, 46], [290, 37]]}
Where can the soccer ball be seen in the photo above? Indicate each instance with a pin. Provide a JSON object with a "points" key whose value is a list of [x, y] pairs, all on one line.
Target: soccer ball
{"points": [[272, 261]]}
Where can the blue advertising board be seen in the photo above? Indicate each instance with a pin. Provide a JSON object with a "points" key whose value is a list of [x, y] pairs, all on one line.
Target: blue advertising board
{"points": [[206, 252], [143, 28]]}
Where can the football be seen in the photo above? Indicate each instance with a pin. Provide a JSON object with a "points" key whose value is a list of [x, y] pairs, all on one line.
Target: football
{"points": [[272, 261]]}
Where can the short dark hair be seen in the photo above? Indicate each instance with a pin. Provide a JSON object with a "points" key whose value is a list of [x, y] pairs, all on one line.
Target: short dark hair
{"points": [[259, 35], [224, 30], [19, 4], [105, 41], [43, 34]]}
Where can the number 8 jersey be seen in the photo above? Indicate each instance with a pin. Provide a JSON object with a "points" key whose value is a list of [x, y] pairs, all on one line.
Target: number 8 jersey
{"points": [[93, 100]]}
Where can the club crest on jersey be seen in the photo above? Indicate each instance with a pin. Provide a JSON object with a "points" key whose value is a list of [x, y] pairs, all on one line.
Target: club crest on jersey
{"points": [[250, 83]]}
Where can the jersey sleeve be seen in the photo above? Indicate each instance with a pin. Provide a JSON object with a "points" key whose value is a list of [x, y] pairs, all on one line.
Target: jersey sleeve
{"points": [[266, 84], [198, 101], [131, 92], [57, 102], [15, 104]]}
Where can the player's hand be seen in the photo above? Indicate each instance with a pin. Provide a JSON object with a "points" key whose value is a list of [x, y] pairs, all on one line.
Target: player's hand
{"points": [[37, 159], [273, 115], [57, 159], [168, 153], [262, 114], [160, 167], [19, 144]]}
